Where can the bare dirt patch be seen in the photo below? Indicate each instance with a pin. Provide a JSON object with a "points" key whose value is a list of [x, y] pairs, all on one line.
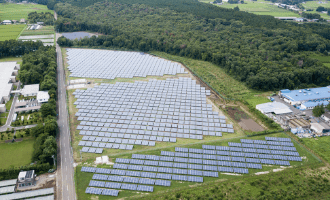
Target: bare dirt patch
{"points": [[243, 119], [249, 124]]}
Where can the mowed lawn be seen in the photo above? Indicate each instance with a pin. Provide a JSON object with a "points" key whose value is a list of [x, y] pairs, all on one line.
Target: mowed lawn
{"points": [[16, 154], [10, 32], [11, 11]]}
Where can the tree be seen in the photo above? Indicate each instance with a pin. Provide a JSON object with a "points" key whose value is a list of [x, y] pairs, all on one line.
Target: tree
{"points": [[51, 126], [49, 149], [47, 109], [318, 110]]}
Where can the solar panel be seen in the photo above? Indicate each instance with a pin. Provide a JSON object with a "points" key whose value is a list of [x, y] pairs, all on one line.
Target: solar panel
{"points": [[235, 149], [119, 166], [137, 162], [103, 171], [179, 149], [241, 170], [133, 173], [210, 168], [146, 181], [237, 159], [148, 175], [116, 179], [178, 154], [108, 192], [152, 157], [151, 163], [251, 155], [224, 153], [165, 158], [195, 179], [163, 183], [128, 186], [100, 177], [195, 172], [254, 166], [210, 174], [138, 156], [222, 148], [252, 160], [131, 180], [97, 191], [123, 160], [167, 153], [164, 176], [180, 165], [135, 167], [210, 162], [118, 172], [145, 188], [225, 169], [280, 162], [234, 144], [88, 169], [208, 147], [294, 158], [267, 161], [179, 178], [246, 141], [96, 184]]}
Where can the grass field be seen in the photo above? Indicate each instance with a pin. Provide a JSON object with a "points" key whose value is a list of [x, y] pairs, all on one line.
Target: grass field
{"points": [[46, 30], [10, 32], [82, 179], [16, 154], [259, 7], [257, 99], [323, 59], [320, 146], [314, 5], [11, 11]]}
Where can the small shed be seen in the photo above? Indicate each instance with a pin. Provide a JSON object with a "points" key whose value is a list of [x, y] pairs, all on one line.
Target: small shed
{"points": [[26, 178], [42, 96]]}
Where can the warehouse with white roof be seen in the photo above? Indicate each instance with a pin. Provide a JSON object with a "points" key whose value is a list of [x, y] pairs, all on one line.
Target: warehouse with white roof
{"points": [[8, 74], [273, 107]]}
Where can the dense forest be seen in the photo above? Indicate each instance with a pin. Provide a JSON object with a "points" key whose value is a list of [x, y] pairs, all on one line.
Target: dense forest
{"points": [[47, 18], [18, 47], [264, 52]]}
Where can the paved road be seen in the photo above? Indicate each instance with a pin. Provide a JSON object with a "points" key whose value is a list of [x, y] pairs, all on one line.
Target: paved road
{"points": [[65, 170]]}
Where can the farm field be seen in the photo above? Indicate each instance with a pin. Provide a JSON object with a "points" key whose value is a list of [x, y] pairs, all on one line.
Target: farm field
{"points": [[16, 154], [319, 145], [46, 30], [82, 178], [10, 32], [314, 5], [10, 11], [260, 8]]}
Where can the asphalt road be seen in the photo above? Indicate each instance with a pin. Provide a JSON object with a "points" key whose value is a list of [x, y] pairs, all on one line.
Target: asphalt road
{"points": [[65, 170]]}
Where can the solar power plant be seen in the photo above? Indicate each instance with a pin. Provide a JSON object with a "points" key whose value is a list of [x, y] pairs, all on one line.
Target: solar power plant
{"points": [[118, 64], [125, 186], [113, 185], [88, 169], [163, 183], [145, 188], [110, 192], [90, 190], [143, 112], [103, 171]]}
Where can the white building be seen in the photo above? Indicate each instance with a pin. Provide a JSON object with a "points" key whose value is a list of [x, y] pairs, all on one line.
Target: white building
{"points": [[2, 108], [8, 72], [6, 22], [326, 117], [30, 90], [273, 107], [78, 81], [42, 96], [26, 178]]}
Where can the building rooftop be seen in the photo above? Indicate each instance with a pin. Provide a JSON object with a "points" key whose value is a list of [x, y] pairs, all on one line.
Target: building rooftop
{"points": [[6, 69], [313, 104], [42, 95], [30, 89], [307, 94], [274, 107]]}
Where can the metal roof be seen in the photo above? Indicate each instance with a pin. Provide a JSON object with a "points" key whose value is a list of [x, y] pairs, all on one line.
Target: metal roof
{"points": [[8, 182], [32, 193], [307, 94]]}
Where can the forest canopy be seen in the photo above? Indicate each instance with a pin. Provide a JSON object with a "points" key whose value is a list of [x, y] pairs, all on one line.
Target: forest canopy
{"points": [[261, 51]]}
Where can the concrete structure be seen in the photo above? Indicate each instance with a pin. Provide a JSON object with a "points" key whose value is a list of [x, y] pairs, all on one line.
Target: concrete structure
{"points": [[42, 96], [78, 81], [298, 97], [6, 22], [22, 20], [7, 78], [326, 117], [2, 108], [311, 105], [273, 107], [30, 90], [26, 178], [320, 128], [26, 109]]}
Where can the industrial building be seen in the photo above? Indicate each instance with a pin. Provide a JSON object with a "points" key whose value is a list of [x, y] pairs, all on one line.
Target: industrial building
{"points": [[30, 90], [273, 107], [8, 74], [300, 97], [42, 96], [310, 105]]}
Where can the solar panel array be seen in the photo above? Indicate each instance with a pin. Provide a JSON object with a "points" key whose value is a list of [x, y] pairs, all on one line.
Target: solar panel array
{"points": [[99, 191], [142, 113], [118, 64]]}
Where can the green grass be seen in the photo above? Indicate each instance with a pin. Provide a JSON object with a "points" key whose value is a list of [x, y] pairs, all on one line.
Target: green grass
{"points": [[259, 7], [320, 146], [46, 30], [16, 154], [9, 103], [314, 5], [255, 100], [11, 11], [82, 179], [10, 32]]}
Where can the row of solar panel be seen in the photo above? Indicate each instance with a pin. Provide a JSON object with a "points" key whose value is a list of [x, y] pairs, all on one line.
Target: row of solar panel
{"points": [[252, 146], [143, 180], [252, 149], [125, 141], [124, 186], [262, 154], [92, 150], [100, 191], [147, 136], [236, 144], [117, 146]]}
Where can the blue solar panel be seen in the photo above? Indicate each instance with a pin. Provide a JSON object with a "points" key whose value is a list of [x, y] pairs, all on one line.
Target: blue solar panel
{"points": [[146, 181], [238, 164], [180, 165], [275, 147], [165, 170], [225, 158], [212, 152], [266, 156], [268, 162], [167, 153], [118, 172], [184, 160], [225, 169], [192, 166], [277, 152], [278, 157], [238, 154], [184, 150], [196, 161], [210, 168], [208, 147], [289, 148], [135, 167], [137, 162], [210, 162], [148, 175], [97, 191], [222, 148], [210, 157], [273, 143], [119, 166], [241, 170], [195, 179], [246, 141], [192, 155], [138, 156], [259, 146], [88, 169], [110, 192], [224, 153], [100, 177], [259, 142], [210, 174], [132, 173], [263, 151], [128, 186], [179, 178], [150, 169], [224, 163], [271, 138], [164, 176], [280, 162], [103, 171], [249, 150], [238, 159], [165, 164], [163, 183], [165, 158], [145, 188], [290, 144], [195, 150], [234, 144], [151, 163], [180, 171], [112, 185], [251, 155], [131, 180], [235, 149], [252, 160], [195, 172], [291, 153], [116, 178], [284, 139], [294, 158], [123, 160], [152, 157], [96, 184], [178, 154], [254, 166]]}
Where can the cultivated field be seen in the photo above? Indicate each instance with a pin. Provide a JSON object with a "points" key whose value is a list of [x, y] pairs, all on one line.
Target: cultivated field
{"points": [[16, 154], [260, 7], [10, 32], [45, 30], [10, 11], [314, 5]]}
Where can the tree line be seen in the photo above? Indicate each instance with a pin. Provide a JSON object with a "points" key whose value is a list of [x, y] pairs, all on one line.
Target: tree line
{"points": [[18, 47], [47, 18], [265, 57]]}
